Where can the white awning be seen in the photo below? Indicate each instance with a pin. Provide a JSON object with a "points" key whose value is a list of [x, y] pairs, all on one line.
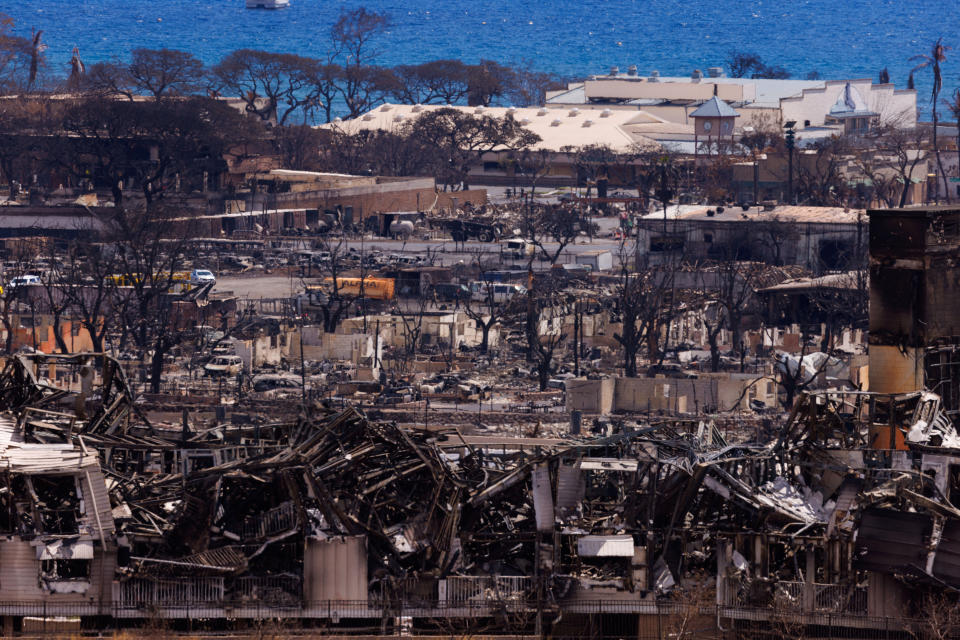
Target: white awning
{"points": [[605, 546], [65, 550]]}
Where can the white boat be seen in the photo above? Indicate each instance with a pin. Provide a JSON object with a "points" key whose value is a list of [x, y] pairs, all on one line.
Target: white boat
{"points": [[267, 4]]}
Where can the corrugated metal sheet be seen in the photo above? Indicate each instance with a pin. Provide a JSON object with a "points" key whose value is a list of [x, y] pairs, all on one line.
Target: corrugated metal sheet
{"points": [[66, 550], [100, 502], [22, 457], [543, 498], [569, 488], [605, 546], [888, 540], [335, 569]]}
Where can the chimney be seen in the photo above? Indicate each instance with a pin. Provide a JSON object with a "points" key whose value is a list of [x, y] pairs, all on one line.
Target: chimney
{"points": [[715, 72], [632, 70], [697, 75], [614, 70], [654, 76]]}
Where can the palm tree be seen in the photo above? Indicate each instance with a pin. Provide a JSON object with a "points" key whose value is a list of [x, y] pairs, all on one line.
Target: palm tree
{"points": [[938, 54], [36, 52]]}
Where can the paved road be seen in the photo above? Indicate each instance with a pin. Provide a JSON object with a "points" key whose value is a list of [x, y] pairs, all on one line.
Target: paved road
{"points": [[448, 252], [259, 286]]}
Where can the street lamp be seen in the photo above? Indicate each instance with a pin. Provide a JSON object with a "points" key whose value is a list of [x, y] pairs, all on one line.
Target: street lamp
{"points": [[790, 145]]}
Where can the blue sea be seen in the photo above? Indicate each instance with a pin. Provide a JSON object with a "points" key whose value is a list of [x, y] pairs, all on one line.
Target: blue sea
{"points": [[573, 38]]}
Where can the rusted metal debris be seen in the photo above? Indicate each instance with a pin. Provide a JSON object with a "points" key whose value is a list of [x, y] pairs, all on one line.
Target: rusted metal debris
{"points": [[857, 489]]}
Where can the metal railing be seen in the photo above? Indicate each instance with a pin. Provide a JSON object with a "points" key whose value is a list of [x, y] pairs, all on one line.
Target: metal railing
{"points": [[283, 517], [168, 592], [657, 619], [792, 596], [484, 588]]}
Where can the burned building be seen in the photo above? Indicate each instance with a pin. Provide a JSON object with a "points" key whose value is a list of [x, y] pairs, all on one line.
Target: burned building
{"points": [[914, 297]]}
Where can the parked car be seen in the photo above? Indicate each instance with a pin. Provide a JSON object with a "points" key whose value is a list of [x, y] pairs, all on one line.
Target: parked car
{"points": [[20, 281], [502, 292], [202, 276], [519, 248], [273, 381], [224, 366]]}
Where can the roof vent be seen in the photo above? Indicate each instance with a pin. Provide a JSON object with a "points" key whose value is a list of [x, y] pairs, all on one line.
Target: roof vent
{"points": [[556, 123], [696, 75], [710, 213], [511, 111], [614, 70], [479, 110], [542, 112], [588, 123], [605, 113], [368, 117], [574, 112], [386, 107], [417, 108], [715, 72], [398, 117], [654, 76], [632, 70], [524, 121], [338, 119]]}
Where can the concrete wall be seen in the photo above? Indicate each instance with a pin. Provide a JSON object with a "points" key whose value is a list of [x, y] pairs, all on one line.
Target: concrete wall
{"points": [[434, 327], [357, 348], [798, 243], [590, 396], [814, 104], [264, 350], [21, 575], [401, 195], [709, 392]]}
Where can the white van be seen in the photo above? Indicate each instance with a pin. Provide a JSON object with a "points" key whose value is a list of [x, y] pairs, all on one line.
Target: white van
{"points": [[20, 281], [501, 291]]}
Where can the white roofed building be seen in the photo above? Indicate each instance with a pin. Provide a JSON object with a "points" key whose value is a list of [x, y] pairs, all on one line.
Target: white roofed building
{"points": [[819, 107], [560, 132]]}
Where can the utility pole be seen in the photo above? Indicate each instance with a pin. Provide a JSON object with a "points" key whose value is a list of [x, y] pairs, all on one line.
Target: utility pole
{"points": [[577, 329], [303, 368], [791, 142]]}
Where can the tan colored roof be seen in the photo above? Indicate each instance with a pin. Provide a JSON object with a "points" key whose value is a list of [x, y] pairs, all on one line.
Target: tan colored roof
{"points": [[787, 213], [557, 128]]}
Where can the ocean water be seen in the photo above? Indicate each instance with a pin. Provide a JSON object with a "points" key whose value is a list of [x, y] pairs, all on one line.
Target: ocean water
{"points": [[837, 38]]}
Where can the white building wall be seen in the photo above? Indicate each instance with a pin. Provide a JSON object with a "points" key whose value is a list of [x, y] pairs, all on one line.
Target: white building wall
{"points": [[815, 104]]}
